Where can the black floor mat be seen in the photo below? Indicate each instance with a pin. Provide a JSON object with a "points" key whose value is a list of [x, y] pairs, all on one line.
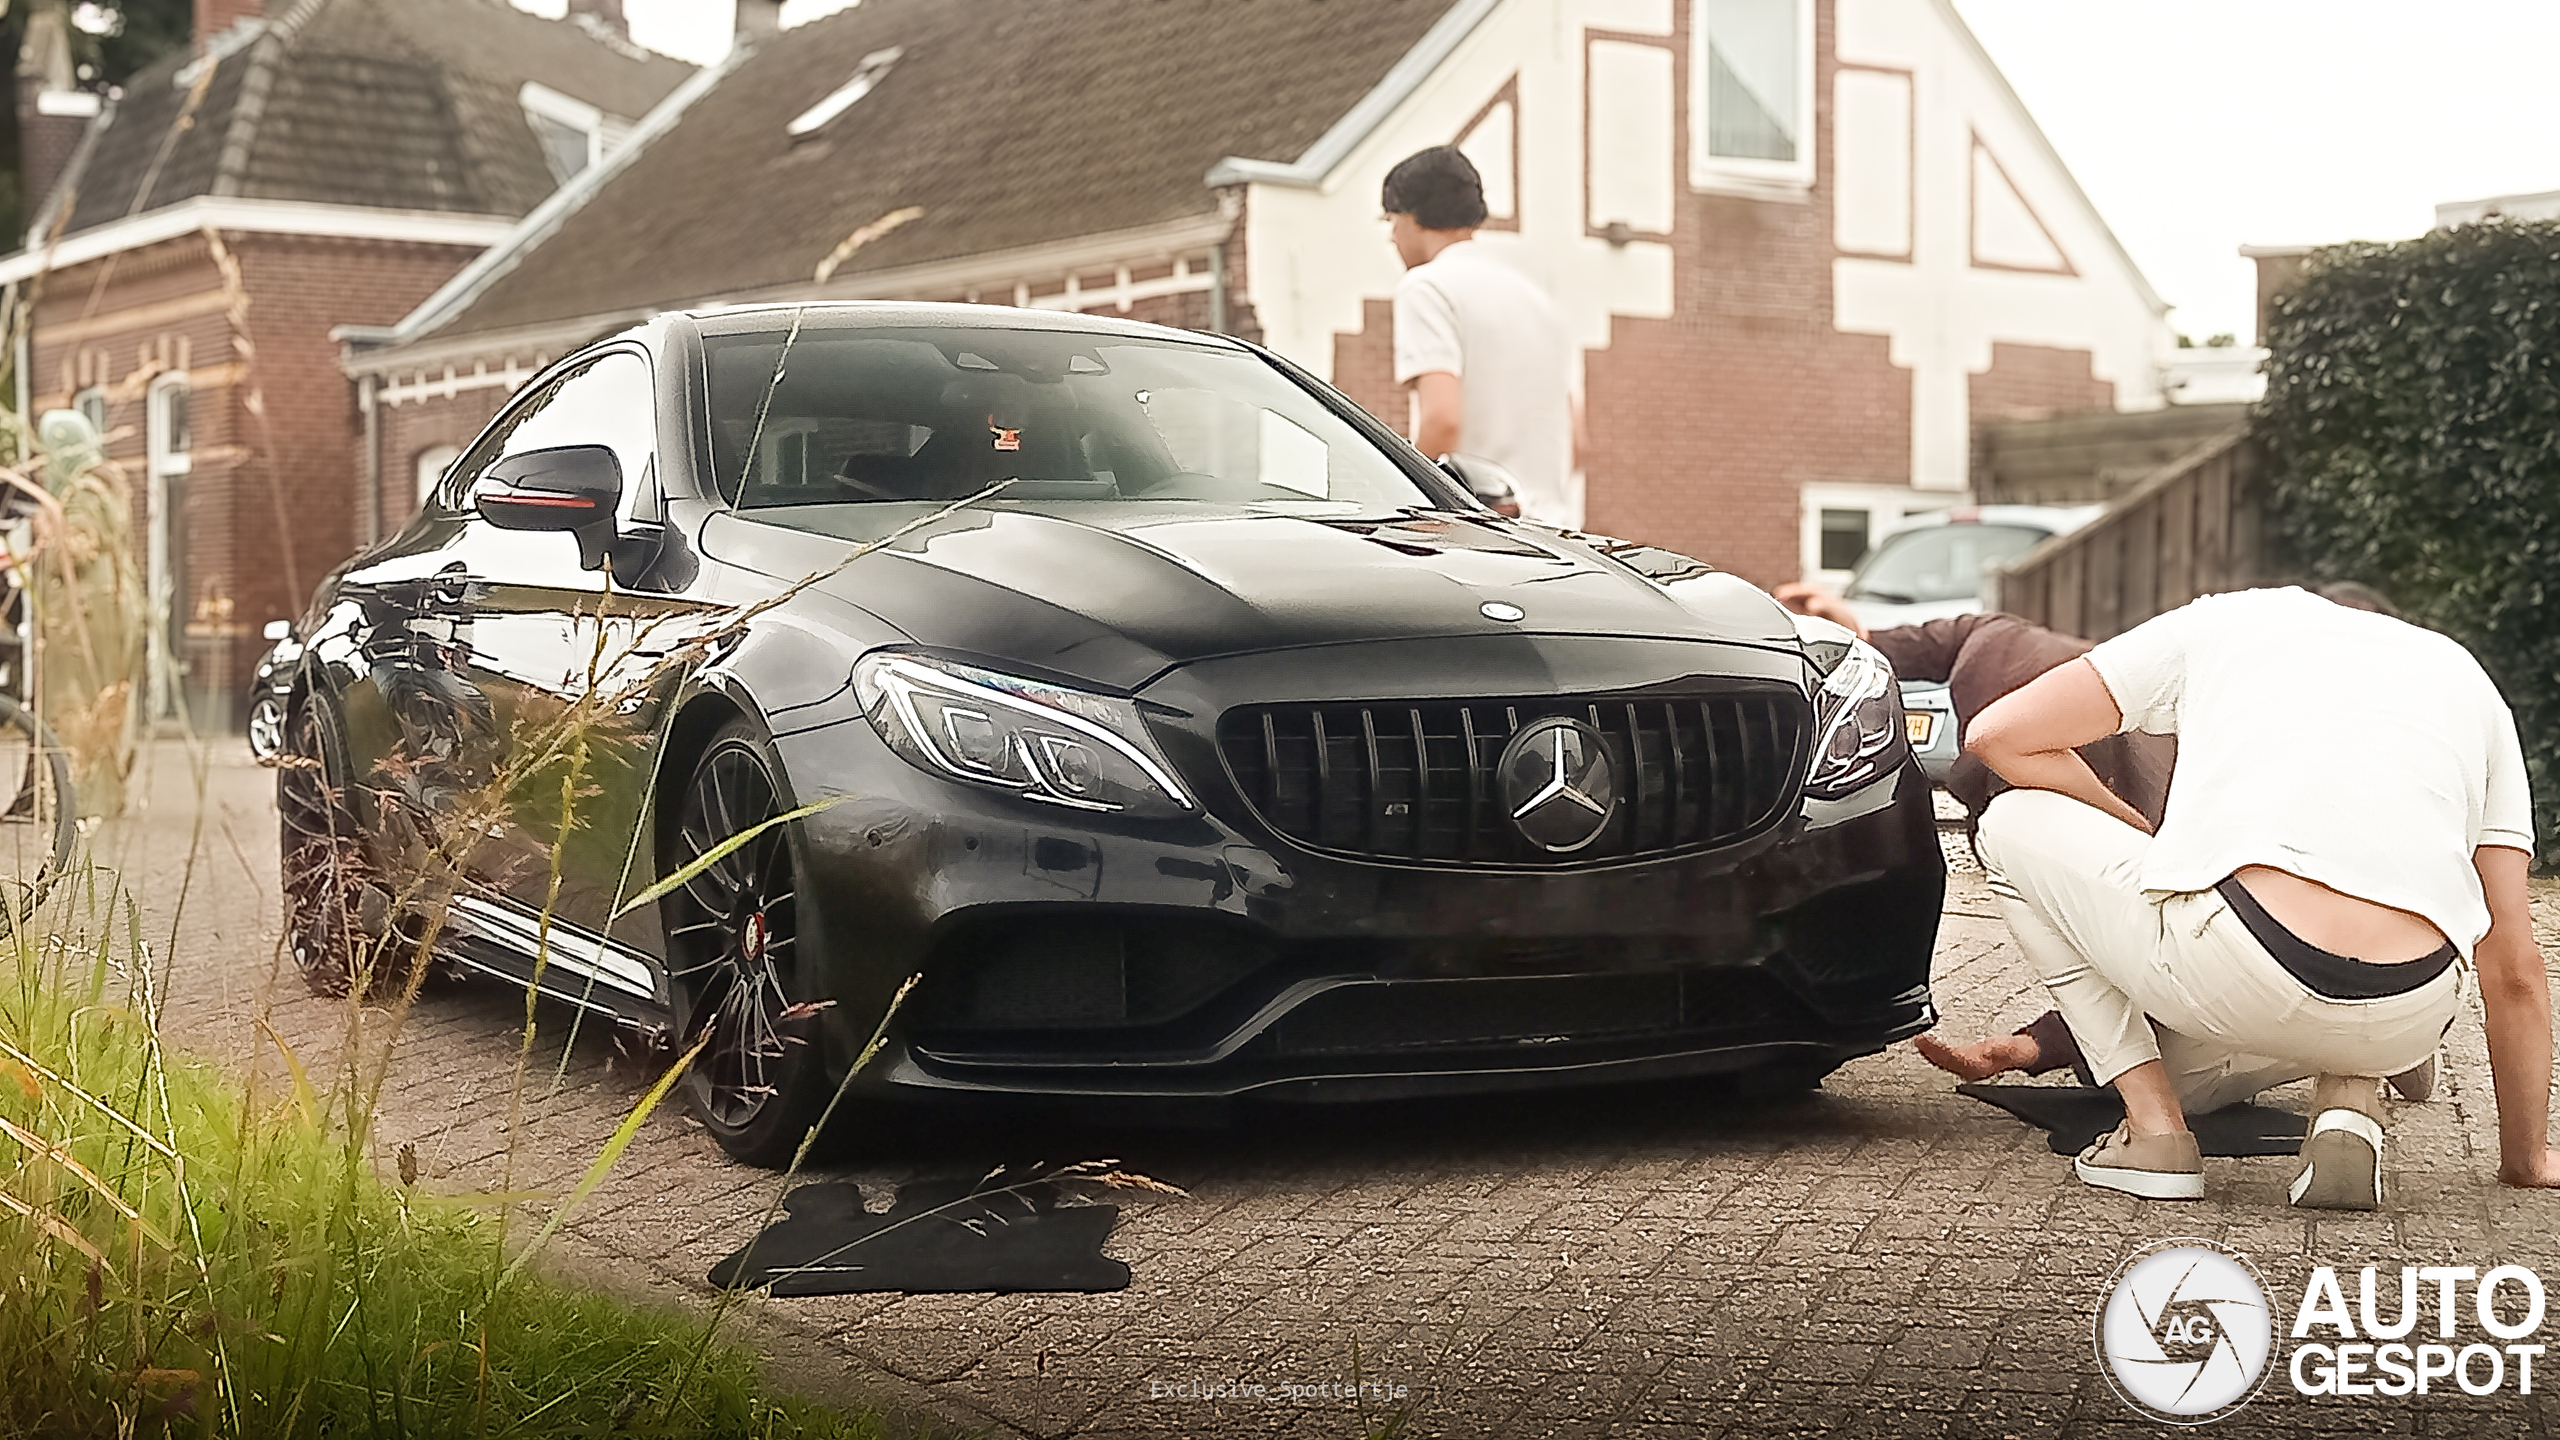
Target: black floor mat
{"points": [[2075, 1116], [936, 1238]]}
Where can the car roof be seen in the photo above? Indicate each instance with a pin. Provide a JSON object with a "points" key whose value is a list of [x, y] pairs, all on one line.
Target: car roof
{"points": [[2056, 519], [912, 314]]}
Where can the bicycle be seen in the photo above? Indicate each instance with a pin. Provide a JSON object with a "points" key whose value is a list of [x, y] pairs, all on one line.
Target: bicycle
{"points": [[39, 810]]}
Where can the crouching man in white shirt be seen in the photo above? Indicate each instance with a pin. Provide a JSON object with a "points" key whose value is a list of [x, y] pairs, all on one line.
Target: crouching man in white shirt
{"points": [[2348, 824]]}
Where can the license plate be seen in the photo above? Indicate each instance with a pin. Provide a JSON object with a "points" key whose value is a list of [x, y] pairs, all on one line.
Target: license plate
{"points": [[1918, 724]]}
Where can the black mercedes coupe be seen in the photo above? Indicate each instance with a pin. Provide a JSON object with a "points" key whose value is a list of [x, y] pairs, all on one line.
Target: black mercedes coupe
{"points": [[1187, 732]]}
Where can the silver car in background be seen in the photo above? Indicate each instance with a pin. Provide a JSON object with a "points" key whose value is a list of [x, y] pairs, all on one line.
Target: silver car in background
{"points": [[1932, 569]]}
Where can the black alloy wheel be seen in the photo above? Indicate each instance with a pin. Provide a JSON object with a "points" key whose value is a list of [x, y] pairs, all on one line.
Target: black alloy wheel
{"points": [[733, 958], [336, 913]]}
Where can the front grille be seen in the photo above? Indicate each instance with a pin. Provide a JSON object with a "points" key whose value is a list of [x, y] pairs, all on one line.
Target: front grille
{"points": [[1417, 781]]}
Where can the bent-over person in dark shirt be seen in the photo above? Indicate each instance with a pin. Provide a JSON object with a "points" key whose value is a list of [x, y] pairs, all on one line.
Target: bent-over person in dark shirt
{"points": [[1979, 658]]}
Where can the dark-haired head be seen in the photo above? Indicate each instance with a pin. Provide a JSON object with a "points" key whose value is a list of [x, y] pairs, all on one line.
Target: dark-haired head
{"points": [[1438, 187], [2356, 596]]}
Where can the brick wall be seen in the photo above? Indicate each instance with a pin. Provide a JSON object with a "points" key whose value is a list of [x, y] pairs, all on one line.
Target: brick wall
{"points": [[415, 427], [116, 325], [2032, 382], [294, 504], [1705, 426], [269, 497], [1364, 365]]}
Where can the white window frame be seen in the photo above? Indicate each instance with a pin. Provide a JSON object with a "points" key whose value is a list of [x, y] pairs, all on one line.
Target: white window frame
{"points": [[163, 464], [1888, 507], [568, 110], [430, 467], [874, 67], [1740, 173], [92, 405]]}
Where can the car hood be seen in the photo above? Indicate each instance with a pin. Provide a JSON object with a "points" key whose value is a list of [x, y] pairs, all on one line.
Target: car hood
{"points": [[1117, 593]]}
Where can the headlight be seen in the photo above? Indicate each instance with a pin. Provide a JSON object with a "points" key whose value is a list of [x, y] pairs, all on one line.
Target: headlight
{"points": [[1038, 741], [1857, 723]]}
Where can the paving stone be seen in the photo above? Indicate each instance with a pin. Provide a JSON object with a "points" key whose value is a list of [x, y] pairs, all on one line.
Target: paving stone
{"points": [[1885, 1258]]}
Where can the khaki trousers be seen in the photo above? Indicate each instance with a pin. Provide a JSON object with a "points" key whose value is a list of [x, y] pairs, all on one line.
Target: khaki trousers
{"points": [[2180, 980]]}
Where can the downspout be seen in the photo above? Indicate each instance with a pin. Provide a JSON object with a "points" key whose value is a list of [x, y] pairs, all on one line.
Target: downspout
{"points": [[369, 504], [1231, 202], [1218, 288], [21, 357]]}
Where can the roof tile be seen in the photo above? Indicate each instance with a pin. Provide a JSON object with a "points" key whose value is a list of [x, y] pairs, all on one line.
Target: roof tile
{"points": [[1009, 122]]}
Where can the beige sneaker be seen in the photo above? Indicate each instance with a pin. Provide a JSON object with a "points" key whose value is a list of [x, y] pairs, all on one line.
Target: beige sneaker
{"points": [[2341, 1163], [2155, 1167]]}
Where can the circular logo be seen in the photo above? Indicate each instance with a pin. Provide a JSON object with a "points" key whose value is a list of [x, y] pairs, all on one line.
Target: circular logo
{"points": [[1498, 610], [1558, 784], [2185, 1331]]}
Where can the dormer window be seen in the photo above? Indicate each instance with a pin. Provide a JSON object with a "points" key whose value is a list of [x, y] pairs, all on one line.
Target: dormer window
{"points": [[865, 76], [573, 133], [1751, 93]]}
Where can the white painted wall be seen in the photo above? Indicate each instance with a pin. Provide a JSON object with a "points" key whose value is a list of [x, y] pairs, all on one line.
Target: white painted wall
{"points": [[1942, 309], [1316, 254], [1914, 123]]}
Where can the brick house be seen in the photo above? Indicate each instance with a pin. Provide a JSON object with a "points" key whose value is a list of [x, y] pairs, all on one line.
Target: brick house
{"points": [[1805, 246], [331, 163]]}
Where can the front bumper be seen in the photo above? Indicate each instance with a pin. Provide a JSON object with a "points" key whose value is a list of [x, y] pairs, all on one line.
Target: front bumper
{"points": [[1209, 957]]}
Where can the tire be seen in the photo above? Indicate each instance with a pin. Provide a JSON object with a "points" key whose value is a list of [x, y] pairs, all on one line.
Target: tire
{"points": [[39, 820], [335, 909], [733, 960]]}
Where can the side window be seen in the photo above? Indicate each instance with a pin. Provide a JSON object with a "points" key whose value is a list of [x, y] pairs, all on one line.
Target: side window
{"points": [[607, 401]]}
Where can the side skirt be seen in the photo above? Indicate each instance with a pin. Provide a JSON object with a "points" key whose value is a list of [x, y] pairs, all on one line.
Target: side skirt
{"points": [[579, 968]]}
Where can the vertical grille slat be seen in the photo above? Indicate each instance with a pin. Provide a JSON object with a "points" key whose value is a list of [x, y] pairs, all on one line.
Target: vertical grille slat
{"points": [[1477, 779], [1679, 765], [1271, 757], [1420, 782], [1375, 802], [1324, 778]]}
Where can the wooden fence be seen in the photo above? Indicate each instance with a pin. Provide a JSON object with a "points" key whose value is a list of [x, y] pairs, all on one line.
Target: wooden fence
{"points": [[2080, 459], [2193, 527]]}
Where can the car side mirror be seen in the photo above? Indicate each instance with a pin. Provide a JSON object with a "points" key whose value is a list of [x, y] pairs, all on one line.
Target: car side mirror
{"points": [[1493, 486], [568, 487]]}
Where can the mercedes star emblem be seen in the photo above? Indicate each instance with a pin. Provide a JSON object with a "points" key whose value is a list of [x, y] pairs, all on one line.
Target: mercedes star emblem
{"points": [[1497, 610], [1558, 784]]}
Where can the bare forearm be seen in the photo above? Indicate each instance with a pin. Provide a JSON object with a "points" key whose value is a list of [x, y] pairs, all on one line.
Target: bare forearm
{"points": [[2065, 773], [1440, 412], [2516, 1001]]}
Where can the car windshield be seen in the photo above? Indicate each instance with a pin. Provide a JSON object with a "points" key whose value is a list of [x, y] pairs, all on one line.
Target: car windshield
{"points": [[939, 414], [1938, 562]]}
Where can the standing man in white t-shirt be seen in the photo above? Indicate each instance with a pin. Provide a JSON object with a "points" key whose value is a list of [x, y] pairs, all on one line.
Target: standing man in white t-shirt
{"points": [[1478, 342], [2347, 825]]}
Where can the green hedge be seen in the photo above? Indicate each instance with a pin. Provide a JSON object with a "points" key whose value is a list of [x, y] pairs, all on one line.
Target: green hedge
{"points": [[2412, 429]]}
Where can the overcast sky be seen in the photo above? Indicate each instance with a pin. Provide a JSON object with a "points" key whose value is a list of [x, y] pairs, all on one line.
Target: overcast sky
{"points": [[2199, 126]]}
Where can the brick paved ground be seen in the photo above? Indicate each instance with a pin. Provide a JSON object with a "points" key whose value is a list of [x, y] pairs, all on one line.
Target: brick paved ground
{"points": [[1886, 1258]]}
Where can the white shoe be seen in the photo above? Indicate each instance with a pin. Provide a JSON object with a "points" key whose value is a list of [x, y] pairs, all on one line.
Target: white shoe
{"points": [[2341, 1163]]}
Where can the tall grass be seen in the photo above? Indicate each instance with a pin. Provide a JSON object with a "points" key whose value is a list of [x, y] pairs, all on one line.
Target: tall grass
{"points": [[186, 1254], [182, 1254]]}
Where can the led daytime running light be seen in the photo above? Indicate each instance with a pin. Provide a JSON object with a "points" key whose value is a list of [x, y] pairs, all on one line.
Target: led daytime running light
{"points": [[900, 678]]}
